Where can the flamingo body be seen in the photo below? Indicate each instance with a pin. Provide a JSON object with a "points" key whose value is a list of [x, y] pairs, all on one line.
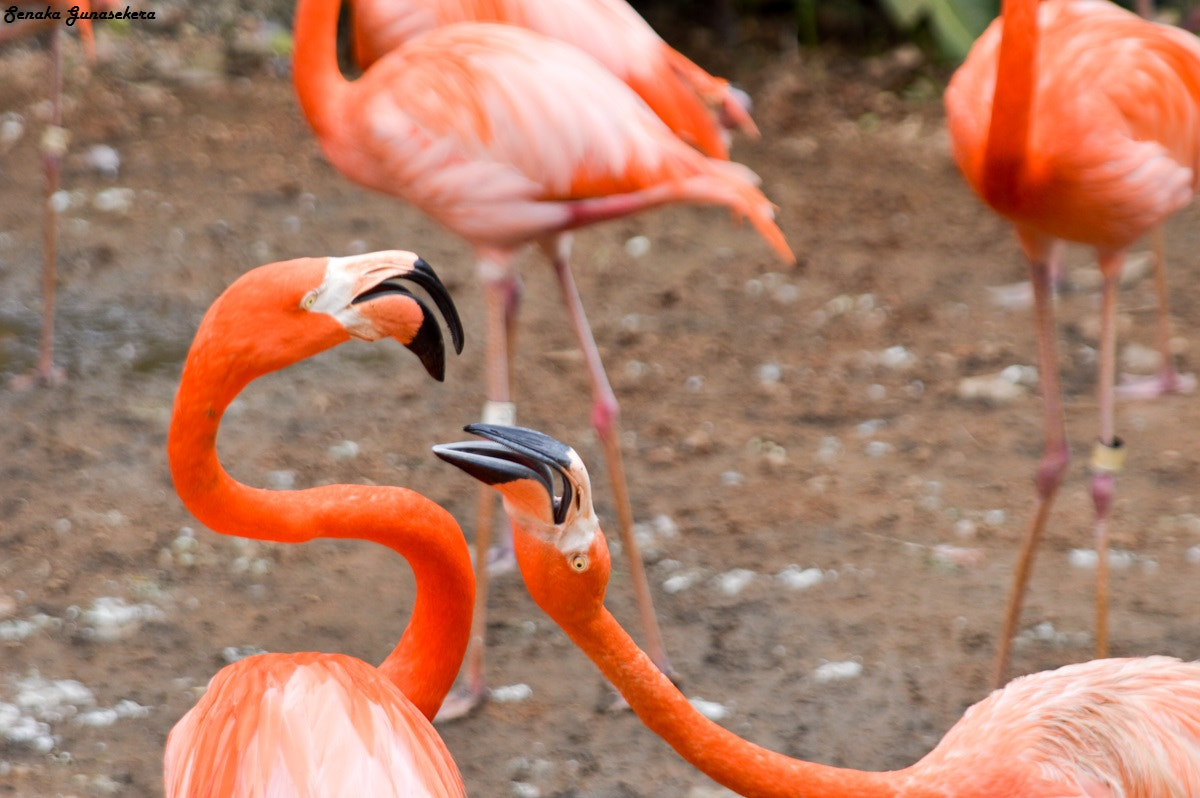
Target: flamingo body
{"points": [[1114, 136], [693, 103], [306, 725], [505, 136], [1113, 728], [1079, 121], [312, 724]]}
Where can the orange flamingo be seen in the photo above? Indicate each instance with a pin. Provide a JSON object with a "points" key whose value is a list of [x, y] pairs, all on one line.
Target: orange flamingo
{"points": [[310, 723], [507, 137], [1116, 727], [54, 146], [698, 107], [1089, 135]]}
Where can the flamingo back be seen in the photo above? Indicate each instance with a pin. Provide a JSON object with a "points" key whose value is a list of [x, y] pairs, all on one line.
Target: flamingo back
{"points": [[1111, 728], [682, 94], [493, 130], [306, 725]]}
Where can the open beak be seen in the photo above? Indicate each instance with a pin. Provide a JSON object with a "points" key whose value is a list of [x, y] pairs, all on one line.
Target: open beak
{"points": [[513, 454], [376, 284]]}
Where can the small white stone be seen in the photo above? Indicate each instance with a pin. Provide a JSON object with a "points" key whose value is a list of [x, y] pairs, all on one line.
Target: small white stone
{"points": [[114, 200], [731, 583], [800, 579], [511, 693], [345, 450], [710, 709], [637, 246], [677, 583], [838, 671]]}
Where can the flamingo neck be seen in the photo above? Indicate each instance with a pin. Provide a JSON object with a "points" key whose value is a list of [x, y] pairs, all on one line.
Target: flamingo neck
{"points": [[425, 661], [743, 767], [1012, 104], [320, 85]]}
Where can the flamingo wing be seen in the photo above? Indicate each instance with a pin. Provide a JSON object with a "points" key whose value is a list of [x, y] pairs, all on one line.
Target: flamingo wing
{"points": [[306, 725], [682, 94], [491, 128], [1069, 733]]}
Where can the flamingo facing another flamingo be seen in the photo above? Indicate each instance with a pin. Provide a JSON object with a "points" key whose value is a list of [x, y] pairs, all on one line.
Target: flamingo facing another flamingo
{"points": [[506, 138], [1079, 121], [310, 723], [699, 108], [1115, 727]]}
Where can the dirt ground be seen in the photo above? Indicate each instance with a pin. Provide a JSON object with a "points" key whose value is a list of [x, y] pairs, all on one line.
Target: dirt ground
{"points": [[815, 488]]}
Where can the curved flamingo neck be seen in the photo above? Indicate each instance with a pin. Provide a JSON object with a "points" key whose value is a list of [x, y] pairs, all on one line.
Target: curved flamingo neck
{"points": [[320, 85], [742, 766], [1012, 104], [425, 661]]}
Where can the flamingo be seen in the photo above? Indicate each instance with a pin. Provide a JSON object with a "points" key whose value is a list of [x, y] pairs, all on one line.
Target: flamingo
{"points": [[507, 137], [698, 107], [1112, 727], [314, 723], [54, 145], [1091, 134]]}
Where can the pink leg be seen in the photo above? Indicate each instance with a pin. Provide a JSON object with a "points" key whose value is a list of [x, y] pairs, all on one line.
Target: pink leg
{"points": [[1108, 456], [54, 145], [501, 298], [1168, 379], [1052, 464], [605, 412]]}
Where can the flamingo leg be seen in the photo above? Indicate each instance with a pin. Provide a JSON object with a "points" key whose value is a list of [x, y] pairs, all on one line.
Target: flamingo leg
{"points": [[53, 145], [501, 300], [1053, 463], [605, 413], [1108, 455], [1168, 379]]}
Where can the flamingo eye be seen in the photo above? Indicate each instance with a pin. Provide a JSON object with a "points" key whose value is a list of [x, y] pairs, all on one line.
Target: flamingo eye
{"points": [[579, 563], [309, 300]]}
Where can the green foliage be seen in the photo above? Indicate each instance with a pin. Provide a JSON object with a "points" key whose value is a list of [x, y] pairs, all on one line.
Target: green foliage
{"points": [[954, 24]]}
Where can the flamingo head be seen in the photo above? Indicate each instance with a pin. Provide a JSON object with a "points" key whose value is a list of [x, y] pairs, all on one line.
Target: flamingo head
{"points": [[547, 493], [283, 312]]}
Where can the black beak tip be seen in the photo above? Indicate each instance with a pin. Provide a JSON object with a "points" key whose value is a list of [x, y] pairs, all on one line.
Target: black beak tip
{"points": [[429, 348], [529, 441]]}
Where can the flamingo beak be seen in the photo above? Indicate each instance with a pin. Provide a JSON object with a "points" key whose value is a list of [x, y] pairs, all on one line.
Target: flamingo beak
{"points": [[427, 344], [512, 455]]}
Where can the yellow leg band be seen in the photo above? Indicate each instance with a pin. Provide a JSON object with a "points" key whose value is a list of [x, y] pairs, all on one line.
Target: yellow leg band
{"points": [[1108, 458]]}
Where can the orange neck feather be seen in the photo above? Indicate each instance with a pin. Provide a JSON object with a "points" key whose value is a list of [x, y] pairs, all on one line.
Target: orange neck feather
{"points": [[425, 661], [743, 767], [1012, 104], [320, 85]]}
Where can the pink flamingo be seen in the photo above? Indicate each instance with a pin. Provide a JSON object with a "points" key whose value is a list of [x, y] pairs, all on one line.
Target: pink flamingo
{"points": [[507, 138], [1114, 727], [699, 108], [1077, 121], [311, 723]]}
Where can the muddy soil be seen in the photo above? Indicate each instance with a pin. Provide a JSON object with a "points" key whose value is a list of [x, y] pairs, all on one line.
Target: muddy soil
{"points": [[816, 487]]}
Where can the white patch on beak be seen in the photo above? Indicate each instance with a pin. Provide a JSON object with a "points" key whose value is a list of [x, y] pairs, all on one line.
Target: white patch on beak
{"points": [[579, 528], [345, 279]]}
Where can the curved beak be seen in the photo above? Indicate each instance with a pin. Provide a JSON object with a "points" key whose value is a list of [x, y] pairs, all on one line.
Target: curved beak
{"points": [[513, 454], [379, 281]]}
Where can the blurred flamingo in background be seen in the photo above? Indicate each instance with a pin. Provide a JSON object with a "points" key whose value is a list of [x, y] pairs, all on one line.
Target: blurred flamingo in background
{"points": [[54, 143], [1090, 134], [701, 109], [506, 138], [310, 723], [1116, 727]]}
